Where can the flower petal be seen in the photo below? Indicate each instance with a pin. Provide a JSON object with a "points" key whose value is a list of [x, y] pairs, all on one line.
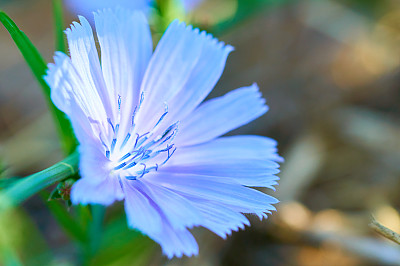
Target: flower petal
{"points": [[226, 148], [176, 242], [202, 80], [69, 95], [143, 214], [126, 48], [255, 173], [248, 160], [85, 60], [95, 186], [176, 72], [105, 193], [221, 190], [220, 219], [179, 211], [221, 115]]}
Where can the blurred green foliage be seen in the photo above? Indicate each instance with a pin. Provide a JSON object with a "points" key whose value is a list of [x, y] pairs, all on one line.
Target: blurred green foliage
{"points": [[39, 67]]}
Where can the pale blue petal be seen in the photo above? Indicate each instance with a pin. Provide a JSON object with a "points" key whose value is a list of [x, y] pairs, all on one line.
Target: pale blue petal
{"points": [[248, 160], [176, 242], [226, 148], [126, 48], [69, 95], [143, 214], [221, 190], [179, 212], [255, 173], [221, 115], [218, 218], [104, 193], [180, 55], [202, 80], [93, 164], [96, 185], [85, 60], [140, 211]]}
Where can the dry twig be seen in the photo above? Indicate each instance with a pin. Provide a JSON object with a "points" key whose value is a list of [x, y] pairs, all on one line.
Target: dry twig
{"points": [[384, 231]]}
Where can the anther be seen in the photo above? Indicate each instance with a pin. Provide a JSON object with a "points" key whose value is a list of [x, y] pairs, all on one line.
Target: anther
{"points": [[124, 157], [120, 166], [114, 141], [125, 140]]}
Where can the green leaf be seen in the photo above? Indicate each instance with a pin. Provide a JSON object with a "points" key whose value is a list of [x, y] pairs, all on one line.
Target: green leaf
{"points": [[38, 67], [59, 25], [64, 218], [20, 241], [129, 247], [28, 186]]}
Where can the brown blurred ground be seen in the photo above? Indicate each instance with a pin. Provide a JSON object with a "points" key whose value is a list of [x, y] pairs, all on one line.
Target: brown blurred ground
{"points": [[331, 79]]}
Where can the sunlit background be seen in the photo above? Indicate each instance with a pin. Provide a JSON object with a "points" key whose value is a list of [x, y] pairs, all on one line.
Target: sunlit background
{"points": [[330, 73]]}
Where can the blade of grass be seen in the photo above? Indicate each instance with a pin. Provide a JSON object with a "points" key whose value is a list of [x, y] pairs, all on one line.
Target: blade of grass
{"points": [[59, 25], [38, 67], [95, 231], [28, 186]]}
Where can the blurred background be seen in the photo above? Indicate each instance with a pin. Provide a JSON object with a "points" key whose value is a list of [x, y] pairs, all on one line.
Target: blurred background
{"points": [[329, 70]]}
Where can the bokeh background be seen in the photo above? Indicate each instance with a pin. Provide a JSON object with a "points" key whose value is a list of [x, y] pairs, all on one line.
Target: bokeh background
{"points": [[329, 70]]}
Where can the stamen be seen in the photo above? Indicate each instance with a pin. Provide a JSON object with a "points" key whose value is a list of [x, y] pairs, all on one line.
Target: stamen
{"points": [[153, 167], [162, 116], [116, 129], [120, 166], [169, 156], [138, 143], [144, 170], [124, 157], [114, 141], [130, 165], [102, 141], [125, 140], [111, 124], [119, 102], [145, 146], [133, 117]]}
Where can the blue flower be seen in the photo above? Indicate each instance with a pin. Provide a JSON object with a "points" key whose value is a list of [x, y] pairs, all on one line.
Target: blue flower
{"points": [[146, 137]]}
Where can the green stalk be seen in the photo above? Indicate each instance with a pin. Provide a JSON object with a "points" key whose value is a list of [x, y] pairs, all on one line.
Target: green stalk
{"points": [[28, 186], [58, 18]]}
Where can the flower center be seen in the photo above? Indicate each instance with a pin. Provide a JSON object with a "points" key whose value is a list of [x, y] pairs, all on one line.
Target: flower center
{"points": [[133, 155]]}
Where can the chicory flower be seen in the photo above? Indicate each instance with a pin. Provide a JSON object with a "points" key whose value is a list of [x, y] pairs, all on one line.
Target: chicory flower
{"points": [[146, 137]]}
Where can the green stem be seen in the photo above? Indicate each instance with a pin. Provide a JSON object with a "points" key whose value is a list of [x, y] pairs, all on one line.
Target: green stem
{"points": [[28, 186], [59, 25]]}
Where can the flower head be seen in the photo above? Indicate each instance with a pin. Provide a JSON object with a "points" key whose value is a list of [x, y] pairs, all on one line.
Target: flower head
{"points": [[146, 137]]}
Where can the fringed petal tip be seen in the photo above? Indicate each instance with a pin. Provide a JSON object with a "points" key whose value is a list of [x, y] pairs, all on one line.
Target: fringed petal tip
{"points": [[121, 13], [210, 39]]}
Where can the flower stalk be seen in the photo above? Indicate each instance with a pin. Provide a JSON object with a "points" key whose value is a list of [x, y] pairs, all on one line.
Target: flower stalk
{"points": [[28, 186]]}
